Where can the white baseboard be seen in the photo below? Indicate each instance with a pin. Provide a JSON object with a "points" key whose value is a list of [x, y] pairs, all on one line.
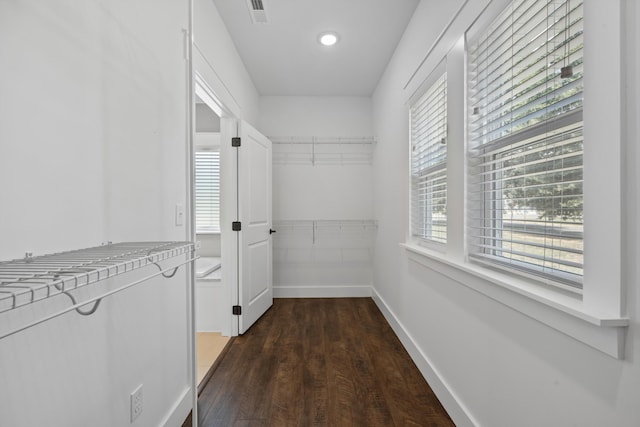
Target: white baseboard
{"points": [[456, 410], [322, 291], [180, 410]]}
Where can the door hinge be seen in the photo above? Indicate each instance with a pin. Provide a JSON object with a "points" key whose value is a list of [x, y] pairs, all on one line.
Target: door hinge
{"points": [[236, 141], [236, 226], [236, 310]]}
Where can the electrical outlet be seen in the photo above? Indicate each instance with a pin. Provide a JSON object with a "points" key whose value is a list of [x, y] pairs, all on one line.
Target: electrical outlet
{"points": [[136, 403]]}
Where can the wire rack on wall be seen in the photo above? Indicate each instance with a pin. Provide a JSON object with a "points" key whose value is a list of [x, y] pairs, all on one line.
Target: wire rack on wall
{"points": [[32, 279], [318, 232], [312, 150], [324, 241]]}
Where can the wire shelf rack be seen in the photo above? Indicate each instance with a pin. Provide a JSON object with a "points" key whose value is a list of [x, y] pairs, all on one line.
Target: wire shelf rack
{"points": [[315, 151], [31, 279], [344, 242]]}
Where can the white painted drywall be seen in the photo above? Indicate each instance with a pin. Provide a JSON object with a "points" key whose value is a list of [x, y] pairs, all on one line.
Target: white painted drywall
{"points": [[93, 131], [206, 120], [209, 244], [51, 157], [93, 148], [219, 67], [217, 60], [320, 192], [491, 365]]}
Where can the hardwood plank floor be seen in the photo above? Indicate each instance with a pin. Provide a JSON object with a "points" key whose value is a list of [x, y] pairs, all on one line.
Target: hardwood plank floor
{"points": [[319, 362]]}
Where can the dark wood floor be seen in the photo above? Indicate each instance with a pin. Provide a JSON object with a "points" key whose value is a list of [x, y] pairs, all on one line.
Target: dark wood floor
{"points": [[319, 362]]}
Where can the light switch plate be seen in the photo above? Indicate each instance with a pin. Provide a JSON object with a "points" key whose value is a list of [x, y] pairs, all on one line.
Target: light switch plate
{"points": [[179, 214]]}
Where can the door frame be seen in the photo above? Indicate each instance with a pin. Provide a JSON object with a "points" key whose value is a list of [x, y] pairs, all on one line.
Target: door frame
{"points": [[204, 82], [228, 198], [230, 205]]}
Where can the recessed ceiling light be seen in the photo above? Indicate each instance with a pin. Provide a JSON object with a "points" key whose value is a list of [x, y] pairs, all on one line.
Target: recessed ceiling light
{"points": [[328, 39]]}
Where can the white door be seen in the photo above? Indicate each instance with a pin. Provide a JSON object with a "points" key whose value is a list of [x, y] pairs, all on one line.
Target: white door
{"points": [[255, 287]]}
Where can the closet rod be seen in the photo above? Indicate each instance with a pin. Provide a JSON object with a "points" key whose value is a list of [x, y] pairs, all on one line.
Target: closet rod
{"points": [[92, 300]]}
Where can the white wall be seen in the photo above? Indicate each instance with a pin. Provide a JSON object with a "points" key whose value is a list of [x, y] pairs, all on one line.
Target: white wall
{"points": [[491, 365], [322, 191], [209, 244], [93, 141], [206, 120], [93, 132], [51, 158], [217, 60], [335, 191]]}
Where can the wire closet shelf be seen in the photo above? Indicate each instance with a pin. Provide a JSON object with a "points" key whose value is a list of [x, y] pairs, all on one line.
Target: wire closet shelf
{"points": [[313, 150], [32, 279], [323, 242]]}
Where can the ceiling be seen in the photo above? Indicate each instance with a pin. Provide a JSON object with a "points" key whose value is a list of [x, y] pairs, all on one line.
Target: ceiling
{"points": [[284, 56]]}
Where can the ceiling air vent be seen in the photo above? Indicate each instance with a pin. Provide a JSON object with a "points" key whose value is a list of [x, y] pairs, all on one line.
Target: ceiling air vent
{"points": [[257, 12]]}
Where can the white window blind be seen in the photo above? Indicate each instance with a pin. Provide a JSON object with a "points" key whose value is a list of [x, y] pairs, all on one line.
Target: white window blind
{"points": [[428, 164], [207, 191], [525, 124]]}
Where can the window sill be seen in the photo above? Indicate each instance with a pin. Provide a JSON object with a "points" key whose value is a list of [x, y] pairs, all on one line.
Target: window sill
{"points": [[207, 232], [563, 312]]}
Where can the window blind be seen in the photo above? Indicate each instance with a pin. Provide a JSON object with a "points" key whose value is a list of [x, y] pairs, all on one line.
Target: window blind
{"points": [[207, 191], [428, 164], [525, 123]]}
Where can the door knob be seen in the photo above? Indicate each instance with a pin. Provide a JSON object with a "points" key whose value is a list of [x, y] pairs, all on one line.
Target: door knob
{"points": [[271, 231]]}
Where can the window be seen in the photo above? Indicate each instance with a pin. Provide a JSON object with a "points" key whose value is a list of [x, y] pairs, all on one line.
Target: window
{"points": [[536, 160], [429, 164], [207, 169], [526, 144]]}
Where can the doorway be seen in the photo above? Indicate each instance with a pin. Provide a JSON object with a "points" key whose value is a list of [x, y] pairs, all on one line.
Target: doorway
{"points": [[210, 293], [237, 291]]}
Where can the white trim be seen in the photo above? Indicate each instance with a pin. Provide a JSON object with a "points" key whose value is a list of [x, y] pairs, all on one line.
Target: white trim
{"points": [[434, 75], [455, 28], [452, 404], [603, 199], [208, 79], [492, 9], [207, 141], [207, 95], [189, 400], [435, 43], [179, 411], [209, 233], [229, 213], [598, 318], [209, 282], [563, 312], [322, 291]]}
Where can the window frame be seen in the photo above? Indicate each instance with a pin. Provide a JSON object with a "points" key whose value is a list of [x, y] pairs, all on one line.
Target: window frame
{"points": [[563, 280], [433, 171], [207, 142], [492, 133], [598, 316]]}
